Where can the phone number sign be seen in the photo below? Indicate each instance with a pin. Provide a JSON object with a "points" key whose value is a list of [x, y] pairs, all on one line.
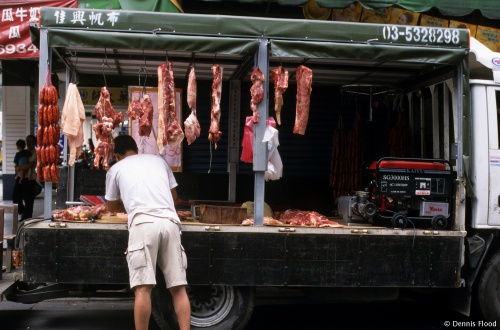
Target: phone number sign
{"points": [[15, 19]]}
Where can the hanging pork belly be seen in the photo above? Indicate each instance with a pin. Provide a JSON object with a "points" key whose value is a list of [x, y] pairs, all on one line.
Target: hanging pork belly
{"points": [[214, 134], [257, 92], [304, 88], [169, 130], [280, 79], [48, 133], [191, 125]]}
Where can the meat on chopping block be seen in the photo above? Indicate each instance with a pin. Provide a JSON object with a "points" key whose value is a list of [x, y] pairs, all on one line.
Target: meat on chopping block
{"points": [[257, 92], [191, 125], [214, 134], [304, 88], [280, 79], [169, 130], [307, 218]]}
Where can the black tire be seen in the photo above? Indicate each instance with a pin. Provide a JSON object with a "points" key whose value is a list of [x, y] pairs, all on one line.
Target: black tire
{"points": [[399, 220], [439, 222], [215, 307], [487, 294]]}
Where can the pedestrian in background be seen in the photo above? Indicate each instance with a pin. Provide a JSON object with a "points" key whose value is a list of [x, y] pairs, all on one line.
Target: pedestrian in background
{"points": [[21, 174], [29, 190]]}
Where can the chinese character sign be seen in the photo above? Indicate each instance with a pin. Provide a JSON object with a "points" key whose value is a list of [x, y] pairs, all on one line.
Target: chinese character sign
{"points": [[16, 17]]}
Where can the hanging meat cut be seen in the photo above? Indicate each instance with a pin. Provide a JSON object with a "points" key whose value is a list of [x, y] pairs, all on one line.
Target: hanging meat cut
{"points": [[142, 110], [105, 143], [134, 110], [304, 88], [108, 120], [191, 125], [146, 118], [169, 130], [214, 134], [103, 108], [280, 79], [257, 92]]}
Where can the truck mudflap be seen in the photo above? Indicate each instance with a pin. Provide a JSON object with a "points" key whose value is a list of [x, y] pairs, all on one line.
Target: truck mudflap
{"points": [[92, 253]]}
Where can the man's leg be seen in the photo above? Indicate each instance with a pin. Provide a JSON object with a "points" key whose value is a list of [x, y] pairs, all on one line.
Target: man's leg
{"points": [[142, 306], [17, 196], [182, 306]]}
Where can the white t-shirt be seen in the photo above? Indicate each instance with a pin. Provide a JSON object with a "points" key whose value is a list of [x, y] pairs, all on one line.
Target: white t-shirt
{"points": [[143, 183]]}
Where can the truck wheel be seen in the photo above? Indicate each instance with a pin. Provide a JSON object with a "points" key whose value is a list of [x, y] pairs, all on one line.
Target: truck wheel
{"points": [[220, 306], [488, 290], [215, 307]]}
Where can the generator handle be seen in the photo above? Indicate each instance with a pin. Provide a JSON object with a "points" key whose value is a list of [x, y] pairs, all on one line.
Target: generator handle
{"points": [[420, 160]]}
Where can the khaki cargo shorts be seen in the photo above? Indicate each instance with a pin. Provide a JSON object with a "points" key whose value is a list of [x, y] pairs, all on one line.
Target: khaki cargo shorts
{"points": [[155, 240]]}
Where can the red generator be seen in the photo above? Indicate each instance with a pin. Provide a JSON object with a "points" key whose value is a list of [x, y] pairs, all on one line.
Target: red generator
{"points": [[412, 190]]}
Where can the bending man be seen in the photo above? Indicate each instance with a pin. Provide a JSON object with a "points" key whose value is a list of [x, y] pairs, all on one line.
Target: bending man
{"points": [[143, 186]]}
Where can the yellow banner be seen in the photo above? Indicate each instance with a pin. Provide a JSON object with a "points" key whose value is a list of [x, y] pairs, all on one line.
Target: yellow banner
{"points": [[426, 20], [490, 37], [461, 25], [90, 95], [403, 17]]}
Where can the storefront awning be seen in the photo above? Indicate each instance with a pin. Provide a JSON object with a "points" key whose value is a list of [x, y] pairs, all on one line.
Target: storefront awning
{"points": [[489, 8]]}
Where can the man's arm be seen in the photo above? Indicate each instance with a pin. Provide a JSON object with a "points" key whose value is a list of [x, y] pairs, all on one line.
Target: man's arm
{"points": [[174, 193], [116, 206]]}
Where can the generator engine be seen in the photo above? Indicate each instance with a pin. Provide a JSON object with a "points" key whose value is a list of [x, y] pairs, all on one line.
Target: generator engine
{"points": [[403, 191]]}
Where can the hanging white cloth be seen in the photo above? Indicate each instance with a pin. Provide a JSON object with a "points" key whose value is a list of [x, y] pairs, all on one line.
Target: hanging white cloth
{"points": [[274, 164]]}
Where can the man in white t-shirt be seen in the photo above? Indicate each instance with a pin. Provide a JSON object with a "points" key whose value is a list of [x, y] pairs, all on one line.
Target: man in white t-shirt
{"points": [[143, 186]]}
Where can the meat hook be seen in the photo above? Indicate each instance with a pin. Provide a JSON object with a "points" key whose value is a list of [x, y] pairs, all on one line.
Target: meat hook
{"points": [[105, 63]]}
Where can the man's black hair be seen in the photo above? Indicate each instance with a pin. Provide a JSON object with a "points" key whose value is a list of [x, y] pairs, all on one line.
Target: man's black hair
{"points": [[21, 143], [124, 143]]}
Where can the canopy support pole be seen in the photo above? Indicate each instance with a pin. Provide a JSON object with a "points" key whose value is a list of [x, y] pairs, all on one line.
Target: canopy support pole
{"points": [[44, 62], [259, 147]]}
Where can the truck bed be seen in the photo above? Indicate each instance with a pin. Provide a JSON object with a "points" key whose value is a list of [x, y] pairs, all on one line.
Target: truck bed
{"points": [[93, 253]]}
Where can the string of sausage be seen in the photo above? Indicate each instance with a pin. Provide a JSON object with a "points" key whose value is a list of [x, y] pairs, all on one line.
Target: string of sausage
{"points": [[347, 155], [48, 133]]}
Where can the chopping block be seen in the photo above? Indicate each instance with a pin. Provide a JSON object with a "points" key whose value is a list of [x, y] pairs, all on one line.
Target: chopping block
{"points": [[215, 214]]}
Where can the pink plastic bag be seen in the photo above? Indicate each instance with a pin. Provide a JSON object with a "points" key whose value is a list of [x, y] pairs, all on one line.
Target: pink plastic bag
{"points": [[247, 142]]}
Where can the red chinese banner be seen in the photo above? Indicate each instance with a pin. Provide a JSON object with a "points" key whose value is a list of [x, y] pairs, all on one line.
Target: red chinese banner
{"points": [[15, 41]]}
